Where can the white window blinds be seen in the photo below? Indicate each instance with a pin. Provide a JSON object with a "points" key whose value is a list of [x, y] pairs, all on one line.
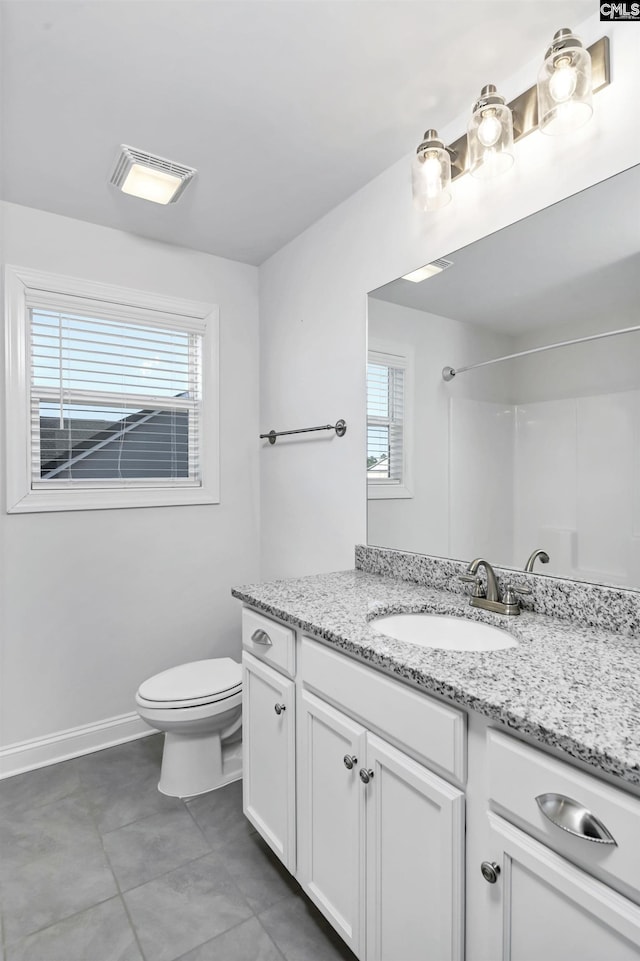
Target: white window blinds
{"points": [[115, 401], [385, 419]]}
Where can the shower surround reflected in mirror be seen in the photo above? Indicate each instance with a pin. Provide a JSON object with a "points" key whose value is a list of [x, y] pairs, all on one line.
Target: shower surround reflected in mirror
{"points": [[542, 451]]}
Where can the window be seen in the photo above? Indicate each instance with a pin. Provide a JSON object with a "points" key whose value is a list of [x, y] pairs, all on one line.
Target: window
{"points": [[388, 376], [110, 396]]}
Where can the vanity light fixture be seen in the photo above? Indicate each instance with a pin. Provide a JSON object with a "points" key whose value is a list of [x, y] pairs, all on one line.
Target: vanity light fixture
{"points": [[490, 135], [142, 174], [431, 173], [565, 89], [560, 101], [429, 270]]}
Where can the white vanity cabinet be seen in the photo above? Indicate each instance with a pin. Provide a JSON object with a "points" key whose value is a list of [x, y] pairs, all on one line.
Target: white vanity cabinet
{"points": [[358, 782], [550, 909], [331, 811], [380, 840], [269, 755], [380, 836], [555, 896]]}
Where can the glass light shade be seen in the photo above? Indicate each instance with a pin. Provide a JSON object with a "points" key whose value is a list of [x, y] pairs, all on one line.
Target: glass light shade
{"points": [[565, 87], [431, 174], [155, 185], [490, 136]]}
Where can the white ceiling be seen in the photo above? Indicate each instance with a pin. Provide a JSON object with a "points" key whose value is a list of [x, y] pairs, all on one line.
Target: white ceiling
{"points": [[578, 258], [285, 108]]}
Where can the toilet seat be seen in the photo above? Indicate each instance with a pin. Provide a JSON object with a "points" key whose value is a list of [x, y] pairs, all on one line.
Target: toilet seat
{"points": [[195, 684]]}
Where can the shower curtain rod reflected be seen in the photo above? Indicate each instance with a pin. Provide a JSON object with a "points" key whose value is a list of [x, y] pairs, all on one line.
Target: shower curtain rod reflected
{"points": [[448, 373]]}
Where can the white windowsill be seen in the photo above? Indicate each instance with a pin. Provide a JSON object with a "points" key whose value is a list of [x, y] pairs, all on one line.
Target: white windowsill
{"points": [[40, 501], [387, 492]]}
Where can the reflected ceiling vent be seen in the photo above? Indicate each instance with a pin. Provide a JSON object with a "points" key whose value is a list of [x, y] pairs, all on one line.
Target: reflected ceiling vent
{"points": [[429, 270], [142, 174]]}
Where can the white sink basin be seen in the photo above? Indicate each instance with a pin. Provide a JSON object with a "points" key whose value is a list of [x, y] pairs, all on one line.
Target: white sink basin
{"points": [[443, 631]]}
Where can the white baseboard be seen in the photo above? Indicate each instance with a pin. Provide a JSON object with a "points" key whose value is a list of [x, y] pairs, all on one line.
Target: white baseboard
{"points": [[41, 751]]}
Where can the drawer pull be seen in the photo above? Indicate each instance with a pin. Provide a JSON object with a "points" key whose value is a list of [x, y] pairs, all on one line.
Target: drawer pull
{"points": [[490, 871], [261, 637], [572, 817], [365, 775], [350, 760], [279, 708]]}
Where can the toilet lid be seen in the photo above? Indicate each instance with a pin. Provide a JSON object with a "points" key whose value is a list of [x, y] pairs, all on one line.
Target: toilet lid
{"points": [[217, 677]]}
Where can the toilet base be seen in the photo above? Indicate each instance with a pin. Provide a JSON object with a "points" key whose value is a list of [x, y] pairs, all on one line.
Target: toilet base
{"points": [[197, 764]]}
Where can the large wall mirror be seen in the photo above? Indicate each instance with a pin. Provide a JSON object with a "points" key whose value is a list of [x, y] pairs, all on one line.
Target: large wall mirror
{"points": [[537, 452]]}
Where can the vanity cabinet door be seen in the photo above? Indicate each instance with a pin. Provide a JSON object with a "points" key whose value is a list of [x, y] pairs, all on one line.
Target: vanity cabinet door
{"points": [[268, 705], [415, 860], [546, 907], [331, 799]]}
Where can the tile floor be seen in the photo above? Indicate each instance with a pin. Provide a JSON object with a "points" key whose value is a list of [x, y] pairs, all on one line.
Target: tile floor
{"points": [[97, 865]]}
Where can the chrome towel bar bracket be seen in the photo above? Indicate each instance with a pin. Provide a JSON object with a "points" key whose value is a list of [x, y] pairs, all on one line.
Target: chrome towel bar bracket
{"points": [[340, 428]]}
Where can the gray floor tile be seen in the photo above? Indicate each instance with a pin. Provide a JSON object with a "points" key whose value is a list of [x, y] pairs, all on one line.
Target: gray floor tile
{"points": [[58, 887], [38, 788], [219, 815], [102, 933], [122, 783], [53, 865], [183, 909], [248, 942], [302, 934], [152, 846], [257, 871]]}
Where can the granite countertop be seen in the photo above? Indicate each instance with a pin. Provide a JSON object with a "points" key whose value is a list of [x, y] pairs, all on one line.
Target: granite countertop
{"points": [[574, 688]]}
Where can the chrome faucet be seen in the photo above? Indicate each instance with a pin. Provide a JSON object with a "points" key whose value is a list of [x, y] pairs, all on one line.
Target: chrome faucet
{"points": [[492, 592], [490, 599], [544, 559]]}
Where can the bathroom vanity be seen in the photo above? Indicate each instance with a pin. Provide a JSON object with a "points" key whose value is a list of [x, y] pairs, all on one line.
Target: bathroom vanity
{"points": [[399, 784]]}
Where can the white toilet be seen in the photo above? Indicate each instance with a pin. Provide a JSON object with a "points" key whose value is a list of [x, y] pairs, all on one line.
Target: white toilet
{"points": [[199, 707]]}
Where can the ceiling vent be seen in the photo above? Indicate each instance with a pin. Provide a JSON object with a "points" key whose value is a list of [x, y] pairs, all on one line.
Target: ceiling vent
{"points": [[143, 174]]}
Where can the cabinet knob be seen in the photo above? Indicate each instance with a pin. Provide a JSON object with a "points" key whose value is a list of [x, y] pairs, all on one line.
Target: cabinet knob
{"points": [[279, 708], [490, 871], [350, 761], [366, 775]]}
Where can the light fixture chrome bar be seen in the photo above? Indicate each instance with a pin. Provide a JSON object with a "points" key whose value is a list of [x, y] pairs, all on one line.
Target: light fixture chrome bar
{"points": [[340, 428], [525, 107], [448, 373]]}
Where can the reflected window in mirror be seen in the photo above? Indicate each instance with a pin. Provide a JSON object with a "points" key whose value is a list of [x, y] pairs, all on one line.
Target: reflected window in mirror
{"points": [[389, 374]]}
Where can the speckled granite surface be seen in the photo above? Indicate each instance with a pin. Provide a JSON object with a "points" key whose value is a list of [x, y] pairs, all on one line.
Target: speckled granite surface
{"points": [[572, 687], [592, 605]]}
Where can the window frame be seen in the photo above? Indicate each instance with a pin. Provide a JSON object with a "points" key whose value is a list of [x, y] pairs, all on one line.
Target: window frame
{"points": [[25, 288], [390, 354]]}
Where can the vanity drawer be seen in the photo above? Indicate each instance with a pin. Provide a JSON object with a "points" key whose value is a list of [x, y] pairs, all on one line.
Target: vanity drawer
{"points": [[270, 641], [421, 725], [518, 774]]}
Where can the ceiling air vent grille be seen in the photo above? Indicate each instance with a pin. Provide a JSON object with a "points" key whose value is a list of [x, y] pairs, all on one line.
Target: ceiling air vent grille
{"points": [[131, 156], [442, 263]]}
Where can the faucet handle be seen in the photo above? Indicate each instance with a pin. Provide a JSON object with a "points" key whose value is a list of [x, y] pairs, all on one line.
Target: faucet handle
{"points": [[511, 592], [478, 590]]}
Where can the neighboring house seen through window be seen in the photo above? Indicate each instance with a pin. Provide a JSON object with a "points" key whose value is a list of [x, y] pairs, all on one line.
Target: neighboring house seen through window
{"points": [[115, 383], [387, 454]]}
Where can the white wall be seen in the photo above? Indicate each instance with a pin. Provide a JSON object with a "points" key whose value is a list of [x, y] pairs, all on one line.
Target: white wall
{"points": [[98, 600], [578, 450], [425, 518], [313, 305]]}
